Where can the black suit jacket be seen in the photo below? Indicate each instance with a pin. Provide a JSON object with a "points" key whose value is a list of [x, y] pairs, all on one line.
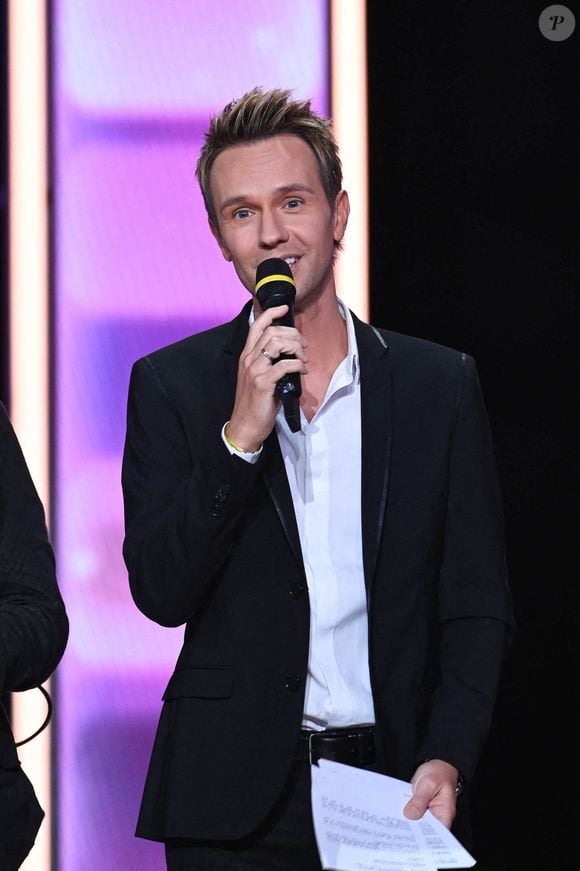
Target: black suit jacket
{"points": [[211, 541], [33, 632]]}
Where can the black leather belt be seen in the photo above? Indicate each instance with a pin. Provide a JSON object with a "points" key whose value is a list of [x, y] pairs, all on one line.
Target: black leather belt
{"points": [[352, 745]]}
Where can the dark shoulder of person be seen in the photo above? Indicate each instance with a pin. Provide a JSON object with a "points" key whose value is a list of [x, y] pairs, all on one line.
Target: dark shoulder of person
{"points": [[33, 634], [33, 620]]}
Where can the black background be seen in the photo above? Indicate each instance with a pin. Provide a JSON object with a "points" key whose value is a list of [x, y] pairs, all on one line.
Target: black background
{"points": [[474, 217], [474, 155]]}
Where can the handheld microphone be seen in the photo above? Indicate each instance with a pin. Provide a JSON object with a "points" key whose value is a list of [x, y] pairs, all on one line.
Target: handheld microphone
{"points": [[275, 286]]}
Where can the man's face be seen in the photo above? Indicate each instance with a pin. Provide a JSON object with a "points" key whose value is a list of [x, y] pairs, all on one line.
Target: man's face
{"points": [[270, 202]]}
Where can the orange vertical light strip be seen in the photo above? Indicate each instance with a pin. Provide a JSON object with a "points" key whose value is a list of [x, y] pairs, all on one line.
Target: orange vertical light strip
{"points": [[29, 329], [348, 53]]}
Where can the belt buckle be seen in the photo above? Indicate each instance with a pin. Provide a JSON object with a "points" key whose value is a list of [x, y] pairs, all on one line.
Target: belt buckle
{"points": [[310, 737]]}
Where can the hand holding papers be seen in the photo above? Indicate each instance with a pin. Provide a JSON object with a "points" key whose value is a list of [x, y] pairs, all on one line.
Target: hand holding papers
{"points": [[359, 824]]}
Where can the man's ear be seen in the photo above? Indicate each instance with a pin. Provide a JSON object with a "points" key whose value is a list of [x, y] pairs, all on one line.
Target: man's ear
{"points": [[341, 213], [217, 236]]}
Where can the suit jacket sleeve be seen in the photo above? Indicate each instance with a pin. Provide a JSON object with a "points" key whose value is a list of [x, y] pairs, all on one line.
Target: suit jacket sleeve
{"points": [[33, 620], [184, 495], [474, 604]]}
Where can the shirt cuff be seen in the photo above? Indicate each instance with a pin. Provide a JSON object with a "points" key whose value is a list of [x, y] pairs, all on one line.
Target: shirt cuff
{"points": [[248, 456]]}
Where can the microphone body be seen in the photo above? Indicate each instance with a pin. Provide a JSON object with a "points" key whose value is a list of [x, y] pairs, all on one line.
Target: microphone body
{"points": [[275, 286]]}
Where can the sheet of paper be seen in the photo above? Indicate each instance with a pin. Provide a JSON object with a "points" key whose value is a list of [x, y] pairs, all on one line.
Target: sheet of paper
{"points": [[359, 824]]}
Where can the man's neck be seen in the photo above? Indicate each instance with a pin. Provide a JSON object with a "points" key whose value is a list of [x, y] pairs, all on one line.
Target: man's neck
{"points": [[324, 328]]}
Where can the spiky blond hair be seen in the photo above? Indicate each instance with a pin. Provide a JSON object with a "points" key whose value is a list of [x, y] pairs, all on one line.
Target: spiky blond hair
{"points": [[262, 114]]}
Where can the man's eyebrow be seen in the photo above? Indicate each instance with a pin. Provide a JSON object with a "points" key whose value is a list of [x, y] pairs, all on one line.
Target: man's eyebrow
{"points": [[294, 187], [233, 201]]}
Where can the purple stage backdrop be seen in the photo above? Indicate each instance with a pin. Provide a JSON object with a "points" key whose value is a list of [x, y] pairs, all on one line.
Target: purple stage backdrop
{"points": [[134, 84]]}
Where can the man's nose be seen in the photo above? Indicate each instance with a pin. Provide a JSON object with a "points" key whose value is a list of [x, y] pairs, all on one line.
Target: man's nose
{"points": [[272, 228]]}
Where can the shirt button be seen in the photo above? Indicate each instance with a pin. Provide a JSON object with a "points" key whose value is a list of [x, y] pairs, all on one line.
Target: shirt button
{"points": [[291, 682], [297, 591]]}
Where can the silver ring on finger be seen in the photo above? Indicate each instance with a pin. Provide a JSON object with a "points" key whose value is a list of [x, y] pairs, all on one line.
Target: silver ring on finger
{"points": [[265, 353]]}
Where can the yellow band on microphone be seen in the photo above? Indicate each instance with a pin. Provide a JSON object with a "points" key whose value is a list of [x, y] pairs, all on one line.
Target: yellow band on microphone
{"points": [[269, 278]]}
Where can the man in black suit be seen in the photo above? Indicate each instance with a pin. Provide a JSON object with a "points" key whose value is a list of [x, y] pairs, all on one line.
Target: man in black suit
{"points": [[33, 632], [343, 587]]}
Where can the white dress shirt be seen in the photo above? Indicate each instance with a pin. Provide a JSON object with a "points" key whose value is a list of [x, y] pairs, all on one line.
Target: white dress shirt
{"points": [[323, 465]]}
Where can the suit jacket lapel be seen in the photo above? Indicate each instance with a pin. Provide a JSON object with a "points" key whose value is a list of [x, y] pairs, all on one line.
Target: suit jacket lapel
{"points": [[376, 433], [274, 472]]}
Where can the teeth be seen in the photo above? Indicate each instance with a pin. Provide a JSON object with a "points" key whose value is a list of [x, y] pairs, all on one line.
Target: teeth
{"points": [[290, 260]]}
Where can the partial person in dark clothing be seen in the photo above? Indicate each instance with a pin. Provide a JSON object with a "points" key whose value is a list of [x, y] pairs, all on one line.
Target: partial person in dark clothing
{"points": [[33, 633]]}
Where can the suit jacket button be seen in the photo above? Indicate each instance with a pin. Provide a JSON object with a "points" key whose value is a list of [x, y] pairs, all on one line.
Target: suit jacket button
{"points": [[291, 682], [222, 493], [297, 591]]}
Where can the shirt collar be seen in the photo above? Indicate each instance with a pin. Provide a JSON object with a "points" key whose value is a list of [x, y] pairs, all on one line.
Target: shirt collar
{"points": [[351, 362]]}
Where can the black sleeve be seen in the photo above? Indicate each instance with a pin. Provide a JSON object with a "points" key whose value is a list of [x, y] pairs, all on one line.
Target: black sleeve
{"points": [[184, 499], [476, 620], [33, 621]]}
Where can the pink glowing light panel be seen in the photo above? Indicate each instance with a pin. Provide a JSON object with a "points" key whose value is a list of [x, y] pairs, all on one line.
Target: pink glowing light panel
{"points": [[134, 84]]}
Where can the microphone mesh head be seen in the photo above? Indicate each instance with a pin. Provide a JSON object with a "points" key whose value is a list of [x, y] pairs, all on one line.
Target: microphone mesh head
{"points": [[274, 283], [273, 266]]}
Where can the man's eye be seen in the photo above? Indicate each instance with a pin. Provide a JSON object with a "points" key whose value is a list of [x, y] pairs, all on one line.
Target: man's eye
{"points": [[294, 203], [241, 214]]}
